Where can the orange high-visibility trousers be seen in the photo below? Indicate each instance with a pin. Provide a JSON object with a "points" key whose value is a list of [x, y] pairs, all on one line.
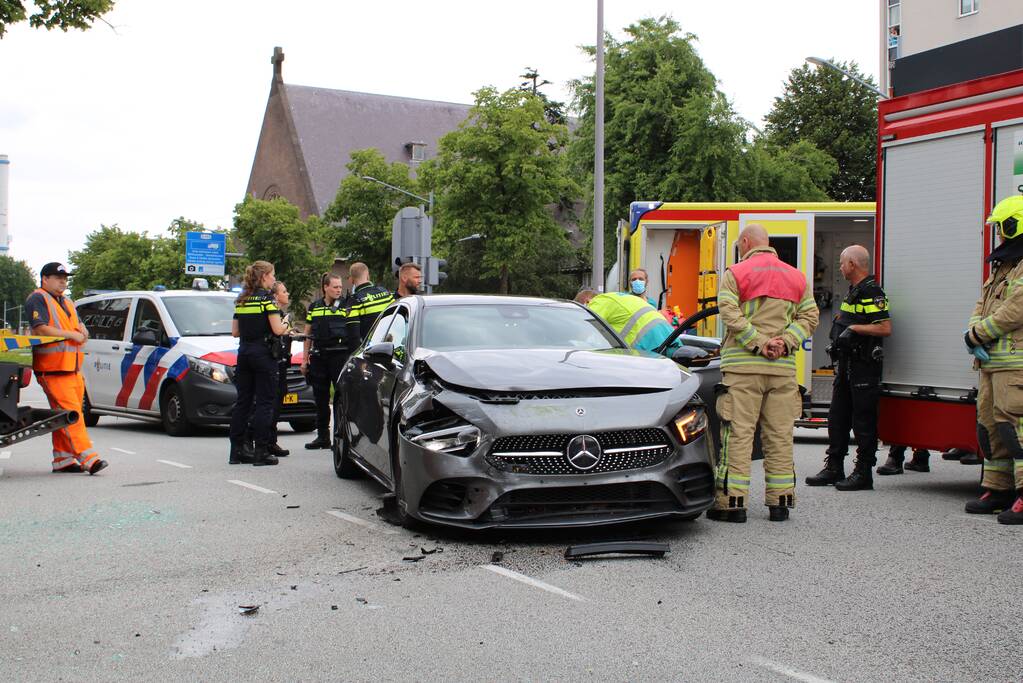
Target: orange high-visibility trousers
{"points": [[71, 445]]}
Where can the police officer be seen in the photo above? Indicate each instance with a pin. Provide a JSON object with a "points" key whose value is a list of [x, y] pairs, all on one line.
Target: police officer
{"points": [[326, 349], [257, 323], [283, 299], [994, 336], [365, 303], [856, 349]]}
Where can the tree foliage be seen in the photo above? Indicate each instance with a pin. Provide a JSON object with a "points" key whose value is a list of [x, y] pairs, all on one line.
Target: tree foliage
{"points": [[16, 282], [51, 14], [500, 175], [839, 116], [274, 231], [360, 217]]}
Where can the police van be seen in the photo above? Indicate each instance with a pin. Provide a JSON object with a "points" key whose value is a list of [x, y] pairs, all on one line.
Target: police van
{"points": [[169, 356]]}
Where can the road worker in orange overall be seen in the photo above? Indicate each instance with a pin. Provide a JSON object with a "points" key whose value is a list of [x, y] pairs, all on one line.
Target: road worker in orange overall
{"points": [[58, 367]]}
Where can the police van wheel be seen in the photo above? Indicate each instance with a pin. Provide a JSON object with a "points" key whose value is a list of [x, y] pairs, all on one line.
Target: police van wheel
{"points": [[90, 418], [341, 448], [302, 426], [172, 412]]}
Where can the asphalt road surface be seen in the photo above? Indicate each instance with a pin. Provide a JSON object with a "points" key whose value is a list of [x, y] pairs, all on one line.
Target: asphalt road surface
{"points": [[139, 572]]}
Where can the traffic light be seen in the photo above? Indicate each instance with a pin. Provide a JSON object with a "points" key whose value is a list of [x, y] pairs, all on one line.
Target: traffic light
{"points": [[411, 236], [399, 261], [435, 274]]}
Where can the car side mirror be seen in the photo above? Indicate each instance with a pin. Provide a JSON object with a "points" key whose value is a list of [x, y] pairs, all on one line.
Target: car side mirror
{"points": [[692, 356], [145, 338], [381, 352]]}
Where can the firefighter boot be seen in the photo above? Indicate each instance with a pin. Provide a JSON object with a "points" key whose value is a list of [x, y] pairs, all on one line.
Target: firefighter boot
{"points": [[736, 515], [834, 469], [919, 461], [1013, 515], [893, 465], [778, 513], [861, 479], [262, 457], [990, 503], [238, 455]]}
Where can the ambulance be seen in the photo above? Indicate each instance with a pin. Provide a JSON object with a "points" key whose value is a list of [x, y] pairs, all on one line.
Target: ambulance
{"points": [[685, 248]]}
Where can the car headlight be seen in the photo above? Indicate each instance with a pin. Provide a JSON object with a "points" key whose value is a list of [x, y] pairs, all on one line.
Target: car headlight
{"points": [[459, 440], [218, 372], [690, 423]]}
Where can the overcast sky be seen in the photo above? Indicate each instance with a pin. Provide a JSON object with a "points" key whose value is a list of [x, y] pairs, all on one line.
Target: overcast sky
{"points": [[160, 117]]}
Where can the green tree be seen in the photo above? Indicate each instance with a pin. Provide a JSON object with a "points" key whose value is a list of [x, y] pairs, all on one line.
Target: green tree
{"points": [[499, 175], [837, 115], [16, 282], [110, 259], [51, 14], [274, 231], [360, 217]]}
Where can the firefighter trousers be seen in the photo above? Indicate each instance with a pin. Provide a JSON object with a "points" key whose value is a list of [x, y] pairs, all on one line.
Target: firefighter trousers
{"points": [[1000, 428], [71, 444], [743, 402]]}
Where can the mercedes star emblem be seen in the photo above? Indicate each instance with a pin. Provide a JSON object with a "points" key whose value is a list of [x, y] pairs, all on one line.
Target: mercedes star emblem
{"points": [[580, 411], [583, 452]]}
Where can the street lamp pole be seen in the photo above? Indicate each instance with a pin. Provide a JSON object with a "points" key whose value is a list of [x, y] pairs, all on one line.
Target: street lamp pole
{"points": [[820, 61], [598, 159], [428, 200]]}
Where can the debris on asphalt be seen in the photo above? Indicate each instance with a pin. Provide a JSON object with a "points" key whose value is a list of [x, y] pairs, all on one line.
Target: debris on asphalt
{"points": [[280, 573], [292, 507], [295, 587], [389, 514], [349, 571], [333, 607], [414, 558], [431, 552], [363, 601], [248, 609], [616, 548], [496, 557]]}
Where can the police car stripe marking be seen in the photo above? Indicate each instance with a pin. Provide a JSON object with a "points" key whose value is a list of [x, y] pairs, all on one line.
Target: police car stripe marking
{"points": [[146, 402]]}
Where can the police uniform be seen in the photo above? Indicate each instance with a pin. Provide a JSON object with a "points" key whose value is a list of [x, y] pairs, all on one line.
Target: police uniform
{"points": [[255, 376], [366, 302], [856, 388], [328, 353], [761, 298], [283, 364]]}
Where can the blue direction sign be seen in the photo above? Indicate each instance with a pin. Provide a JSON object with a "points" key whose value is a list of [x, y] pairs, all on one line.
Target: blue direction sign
{"points": [[205, 253]]}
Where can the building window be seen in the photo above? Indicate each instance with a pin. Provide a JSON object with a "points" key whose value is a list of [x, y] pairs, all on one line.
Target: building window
{"points": [[894, 13], [416, 151], [967, 7]]}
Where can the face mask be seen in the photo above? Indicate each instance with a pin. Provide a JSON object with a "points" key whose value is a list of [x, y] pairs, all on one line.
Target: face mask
{"points": [[638, 286]]}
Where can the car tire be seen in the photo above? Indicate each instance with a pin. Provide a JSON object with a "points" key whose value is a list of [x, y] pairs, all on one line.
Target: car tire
{"points": [[89, 418], [341, 448], [302, 426], [172, 412]]}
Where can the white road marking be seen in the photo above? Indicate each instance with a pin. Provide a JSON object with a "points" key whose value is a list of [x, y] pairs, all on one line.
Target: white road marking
{"points": [[536, 583], [175, 464], [5, 455], [786, 671], [361, 522], [249, 486], [121, 450]]}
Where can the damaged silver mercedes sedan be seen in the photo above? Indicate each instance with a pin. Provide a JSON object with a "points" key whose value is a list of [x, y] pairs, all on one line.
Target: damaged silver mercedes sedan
{"points": [[488, 411]]}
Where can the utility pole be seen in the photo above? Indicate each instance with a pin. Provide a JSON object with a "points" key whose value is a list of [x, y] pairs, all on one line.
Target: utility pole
{"points": [[598, 160]]}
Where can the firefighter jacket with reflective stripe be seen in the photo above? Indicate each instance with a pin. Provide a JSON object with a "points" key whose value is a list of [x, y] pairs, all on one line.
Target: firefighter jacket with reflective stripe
{"points": [[766, 298], [365, 304], [997, 320], [329, 325], [62, 356], [639, 324]]}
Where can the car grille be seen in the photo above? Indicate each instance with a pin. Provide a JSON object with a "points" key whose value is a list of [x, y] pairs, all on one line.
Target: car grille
{"points": [[296, 382], [581, 501], [544, 454]]}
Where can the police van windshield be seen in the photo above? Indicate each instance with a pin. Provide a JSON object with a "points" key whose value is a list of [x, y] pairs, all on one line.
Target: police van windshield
{"points": [[514, 326], [201, 316]]}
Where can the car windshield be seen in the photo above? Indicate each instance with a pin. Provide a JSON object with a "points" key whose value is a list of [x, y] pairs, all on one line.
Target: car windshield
{"points": [[201, 315], [514, 326]]}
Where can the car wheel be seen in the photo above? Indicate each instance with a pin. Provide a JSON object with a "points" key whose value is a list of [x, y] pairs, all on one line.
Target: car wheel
{"points": [[341, 447], [302, 426], [88, 417], [172, 412]]}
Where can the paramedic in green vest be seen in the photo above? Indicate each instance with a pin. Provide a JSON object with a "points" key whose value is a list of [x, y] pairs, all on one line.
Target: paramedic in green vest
{"points": [[637, 322]]}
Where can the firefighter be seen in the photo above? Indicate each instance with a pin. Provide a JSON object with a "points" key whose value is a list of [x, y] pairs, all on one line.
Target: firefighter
{"points": [[995, 329], [366, 302], [410, 279], [326, 350], [257, 324], [856, 349], [58, 367], [639, 324], [768, 311], [639, 284]]}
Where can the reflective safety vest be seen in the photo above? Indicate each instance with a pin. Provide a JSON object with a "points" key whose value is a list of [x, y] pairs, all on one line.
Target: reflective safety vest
{"points": [[328, 324], [639, 324], [65, 355], [764, 274]]}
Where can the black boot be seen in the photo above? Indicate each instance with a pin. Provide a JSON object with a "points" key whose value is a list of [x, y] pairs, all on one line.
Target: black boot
{"points": [[263, 457], [893, 465], [321, 441], [919, 461], [1013, 515], [778, 513], [737, 515], [970, 459], [861, 479], [238, 455], [834, 469], [275, 449], [990, 503]]}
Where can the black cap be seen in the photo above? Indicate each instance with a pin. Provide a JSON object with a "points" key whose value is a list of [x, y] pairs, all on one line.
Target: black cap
{"points": [[55, 269]]}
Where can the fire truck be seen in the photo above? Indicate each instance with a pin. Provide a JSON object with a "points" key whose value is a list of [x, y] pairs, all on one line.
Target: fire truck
{"points": [[946, 156]]}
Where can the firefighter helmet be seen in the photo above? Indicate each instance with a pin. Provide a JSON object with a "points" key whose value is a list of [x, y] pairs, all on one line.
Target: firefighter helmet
{"points": [[1007, 217]]}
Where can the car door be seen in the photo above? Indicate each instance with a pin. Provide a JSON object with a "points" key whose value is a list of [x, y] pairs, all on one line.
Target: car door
{"points": [[397, 334], [363, 382], [143, 370], [107, 322]]}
